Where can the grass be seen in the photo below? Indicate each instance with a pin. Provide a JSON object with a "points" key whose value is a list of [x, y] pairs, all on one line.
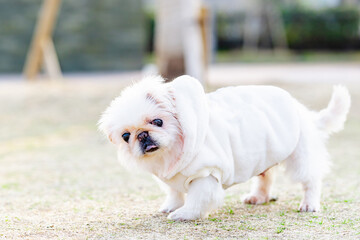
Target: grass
{"points": [[59, 178]]}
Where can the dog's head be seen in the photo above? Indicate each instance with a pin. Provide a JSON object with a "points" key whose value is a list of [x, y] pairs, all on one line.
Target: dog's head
{"points": [[153, 122]]}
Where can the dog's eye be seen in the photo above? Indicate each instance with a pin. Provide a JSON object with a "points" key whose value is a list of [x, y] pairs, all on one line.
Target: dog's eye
{"points": [[126, 136], [157, 122]]}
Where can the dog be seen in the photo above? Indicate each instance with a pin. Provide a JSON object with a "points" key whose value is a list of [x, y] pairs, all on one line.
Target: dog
{"points": [[198, 144]]}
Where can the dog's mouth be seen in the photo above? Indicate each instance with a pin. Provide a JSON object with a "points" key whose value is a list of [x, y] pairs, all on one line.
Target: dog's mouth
{"points": [[151, 148]]}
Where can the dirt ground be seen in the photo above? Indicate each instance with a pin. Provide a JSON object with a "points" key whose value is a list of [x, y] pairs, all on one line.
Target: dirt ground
{"points": [[59, 177]]}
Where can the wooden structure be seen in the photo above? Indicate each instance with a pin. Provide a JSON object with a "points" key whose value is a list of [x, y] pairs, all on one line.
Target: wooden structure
{"points": [[42, 51], [204, 27]]}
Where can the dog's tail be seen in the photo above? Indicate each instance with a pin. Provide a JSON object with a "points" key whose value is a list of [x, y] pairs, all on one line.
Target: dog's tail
{"points": [[332, 118]]}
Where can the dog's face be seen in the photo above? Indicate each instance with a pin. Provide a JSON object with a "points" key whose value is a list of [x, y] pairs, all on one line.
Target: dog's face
{"points": [[142, 122], [147, 129], [158, 126]]}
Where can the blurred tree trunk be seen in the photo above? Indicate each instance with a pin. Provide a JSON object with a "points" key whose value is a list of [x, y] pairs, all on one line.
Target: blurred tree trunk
{"points": [[178, 40], [351, 3], [252, 27], [261, 13]]}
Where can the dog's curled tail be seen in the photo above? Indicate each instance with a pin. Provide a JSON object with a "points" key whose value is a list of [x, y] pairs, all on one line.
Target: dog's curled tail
{"points": [[332, 118]]}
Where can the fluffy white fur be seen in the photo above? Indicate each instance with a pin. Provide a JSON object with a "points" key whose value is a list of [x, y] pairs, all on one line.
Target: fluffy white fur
{"points": [[209, 142]]}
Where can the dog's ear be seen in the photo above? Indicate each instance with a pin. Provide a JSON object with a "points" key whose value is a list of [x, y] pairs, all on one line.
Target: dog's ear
{"points": [[108, 130], [113, 137], [193, 115]]}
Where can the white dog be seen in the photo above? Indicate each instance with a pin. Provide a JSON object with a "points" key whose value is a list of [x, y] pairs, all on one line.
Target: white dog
{"points": [[200, 144]]}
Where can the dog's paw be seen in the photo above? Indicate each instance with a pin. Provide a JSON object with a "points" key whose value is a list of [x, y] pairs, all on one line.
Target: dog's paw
{"points": [[309, 207], [167, 209], [256, 199], [171, 205], [183, 214]]}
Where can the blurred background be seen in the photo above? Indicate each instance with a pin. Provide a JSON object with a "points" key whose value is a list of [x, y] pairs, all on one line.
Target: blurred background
{"points": [[63, 61], [189, 36]]}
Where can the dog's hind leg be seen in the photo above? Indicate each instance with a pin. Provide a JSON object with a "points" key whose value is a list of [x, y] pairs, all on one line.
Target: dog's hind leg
{"points": [[310, 160], [308, 168], [307, 165], [261, 188], [311, 199]]}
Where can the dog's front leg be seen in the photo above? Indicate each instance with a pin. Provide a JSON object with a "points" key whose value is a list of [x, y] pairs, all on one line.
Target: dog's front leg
{"points": [[204, 195], [173, 201]]}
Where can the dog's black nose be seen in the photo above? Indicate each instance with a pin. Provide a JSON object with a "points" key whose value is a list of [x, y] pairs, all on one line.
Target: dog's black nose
{"points": [[146, 142], [143, 136]]}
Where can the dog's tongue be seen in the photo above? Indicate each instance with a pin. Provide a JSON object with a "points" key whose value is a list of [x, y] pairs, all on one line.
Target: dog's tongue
{"points": [[151, 148]]}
